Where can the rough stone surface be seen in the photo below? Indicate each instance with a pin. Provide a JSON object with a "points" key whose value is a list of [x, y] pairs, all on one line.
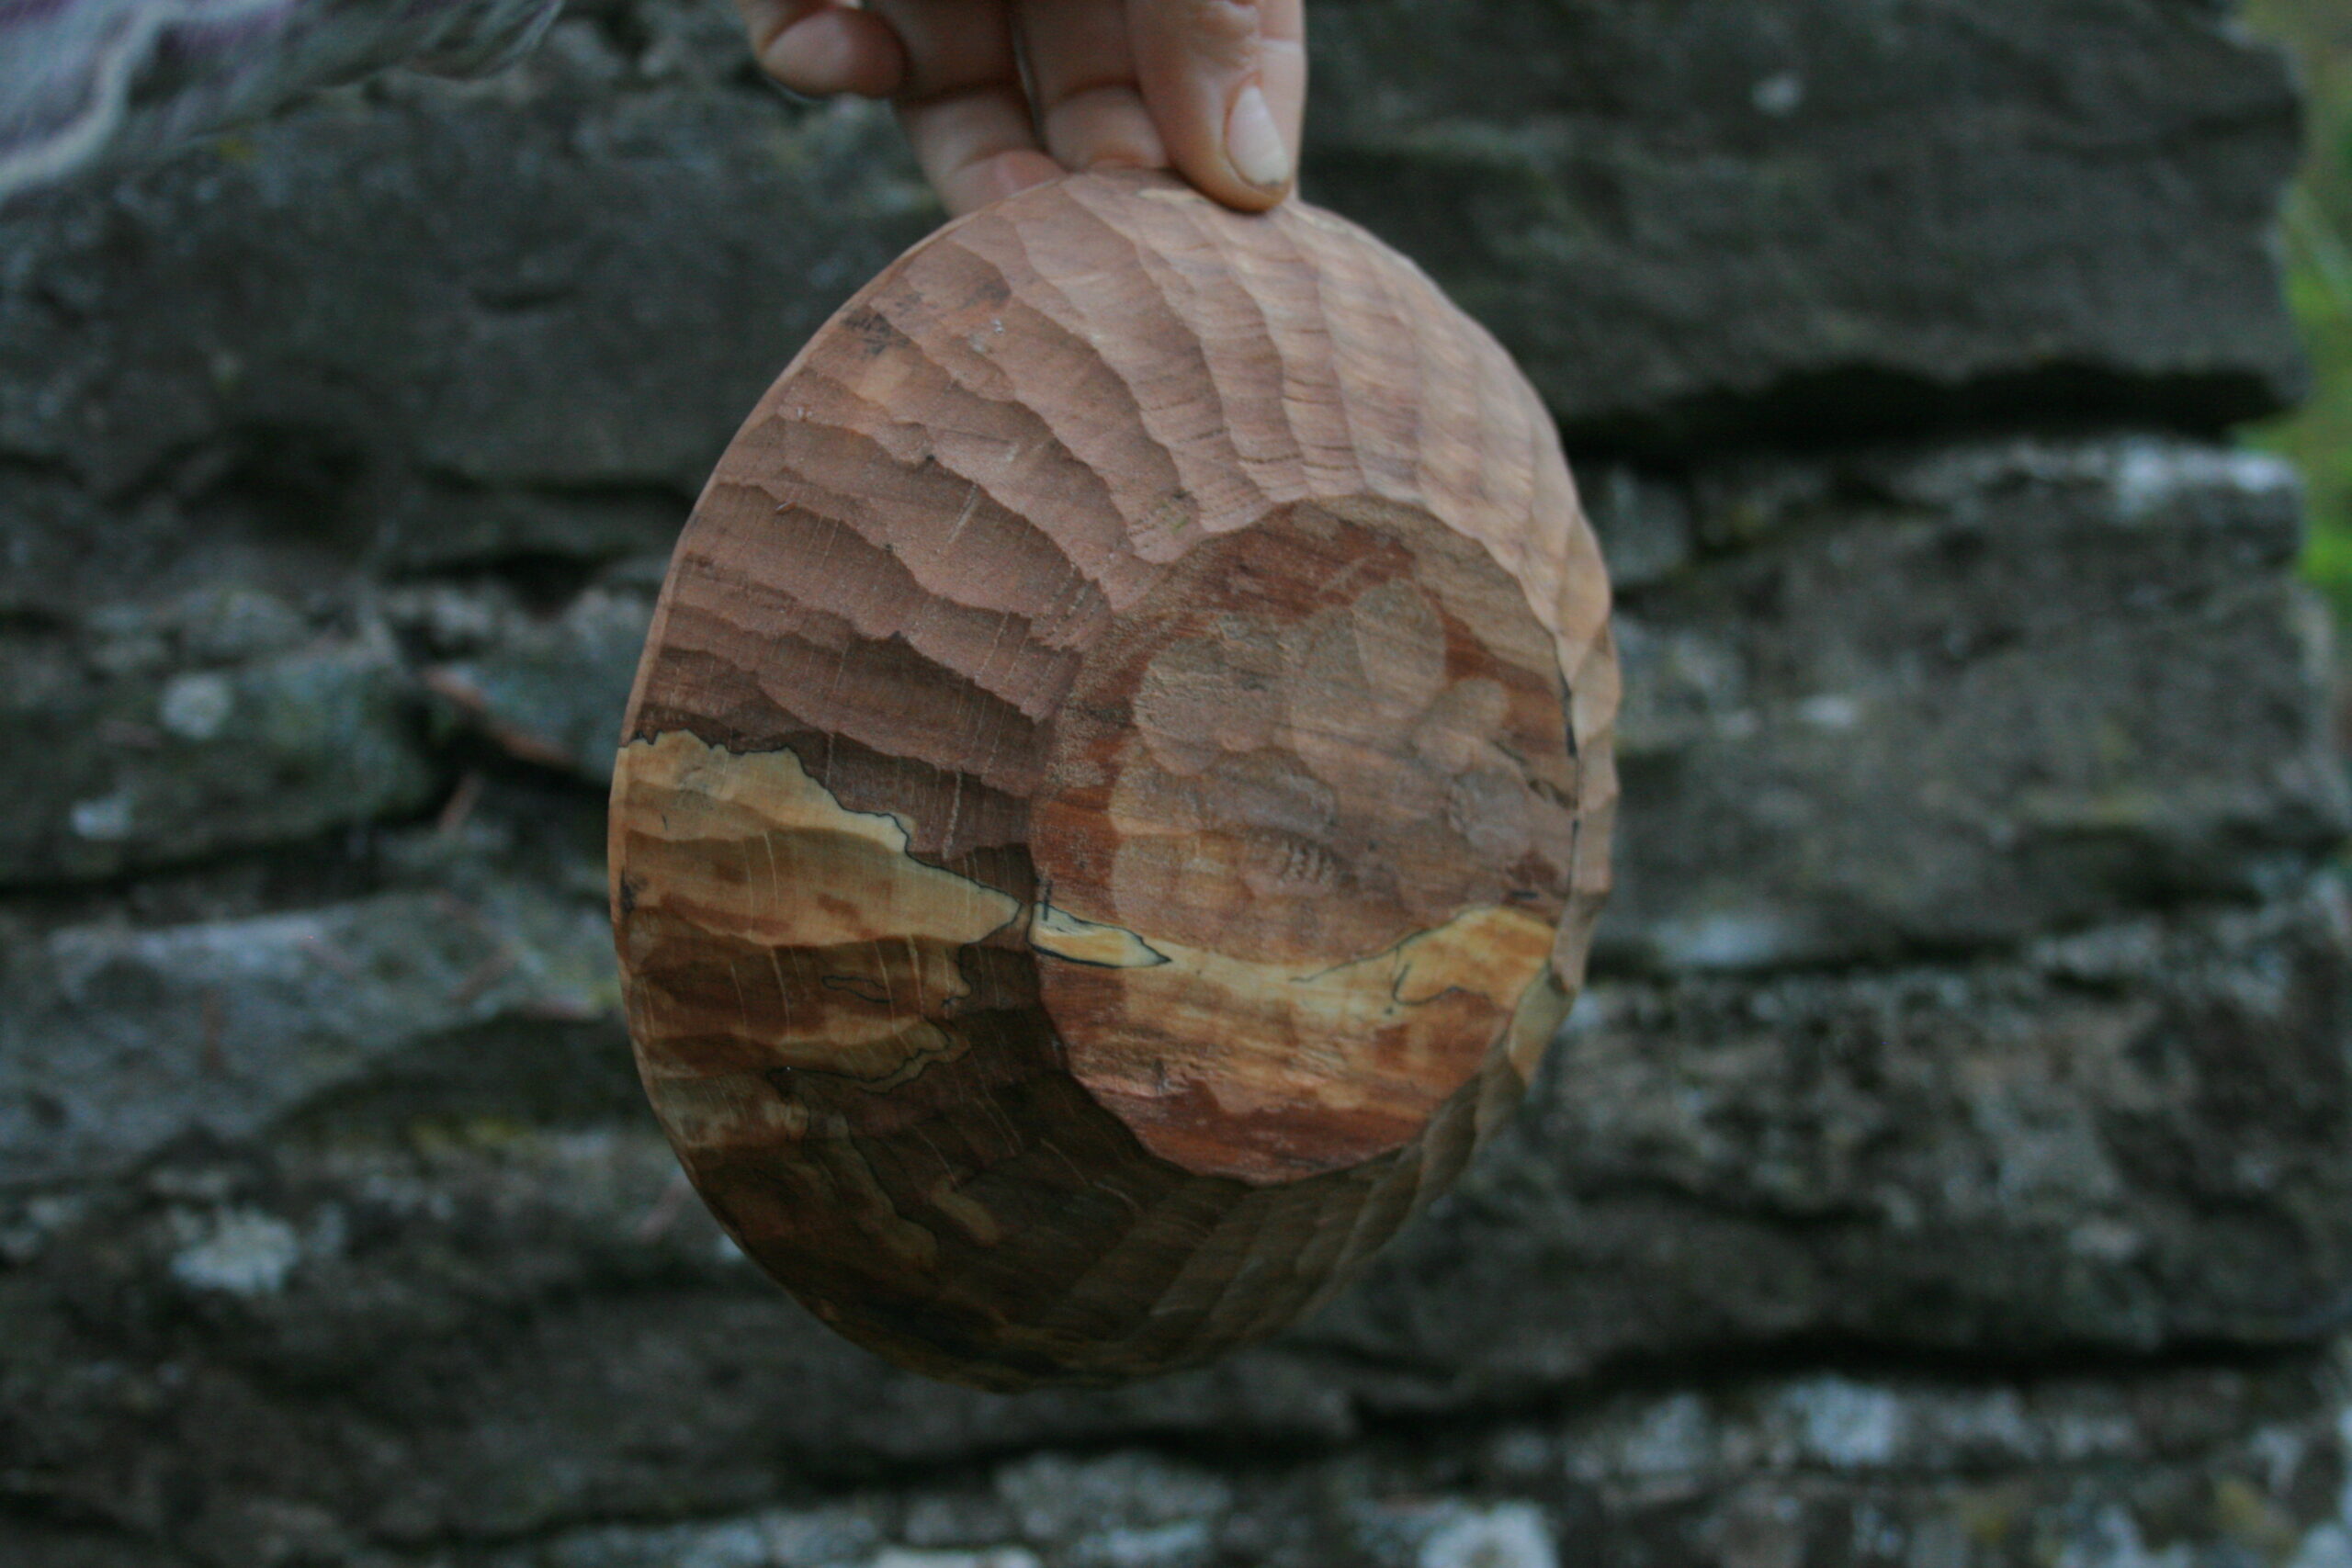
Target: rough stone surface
{"points": [[127, 757], [2014, 1159], [1953, 1163], [1813, 218], [546, 691], [2188, 1467], [1947, 700], [119, 1042]]}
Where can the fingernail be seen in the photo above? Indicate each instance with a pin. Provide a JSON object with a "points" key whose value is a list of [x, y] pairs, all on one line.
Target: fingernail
{"points": [[1253, 144]]}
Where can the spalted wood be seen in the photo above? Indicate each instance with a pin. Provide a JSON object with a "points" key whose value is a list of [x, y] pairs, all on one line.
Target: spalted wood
{"points": [[1119, 784]]}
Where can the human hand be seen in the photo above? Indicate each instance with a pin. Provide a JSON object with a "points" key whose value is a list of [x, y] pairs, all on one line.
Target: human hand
{"points": [[997, 95]]}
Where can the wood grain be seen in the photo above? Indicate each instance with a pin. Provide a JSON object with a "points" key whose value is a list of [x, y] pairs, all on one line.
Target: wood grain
{"points": [[1119, 785]]}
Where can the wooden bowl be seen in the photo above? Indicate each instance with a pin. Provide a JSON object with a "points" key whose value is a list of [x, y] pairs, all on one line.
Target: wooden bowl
{"points": [[1118, 789]]}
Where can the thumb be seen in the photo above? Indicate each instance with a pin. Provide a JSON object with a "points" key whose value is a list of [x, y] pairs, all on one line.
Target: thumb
{"points": [[1226, 82]]}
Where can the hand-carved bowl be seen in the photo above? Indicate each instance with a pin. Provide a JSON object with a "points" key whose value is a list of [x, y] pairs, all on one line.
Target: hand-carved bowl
{"points": [[1118, 788]]}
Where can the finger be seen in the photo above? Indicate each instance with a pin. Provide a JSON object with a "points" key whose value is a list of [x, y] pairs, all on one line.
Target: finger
{"points": [[1082, 76], [962, 102], [1225, 80], [819, 48]]}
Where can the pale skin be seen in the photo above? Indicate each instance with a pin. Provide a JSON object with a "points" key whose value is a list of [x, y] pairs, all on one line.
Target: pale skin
{"points": [[997, 95]]}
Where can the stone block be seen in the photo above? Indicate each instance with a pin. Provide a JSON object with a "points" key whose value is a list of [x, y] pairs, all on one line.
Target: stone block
{"points": [[119, 1043], [552, 692], [1942, 701], [1815, 219], [127, 756], [2116, 1143]]}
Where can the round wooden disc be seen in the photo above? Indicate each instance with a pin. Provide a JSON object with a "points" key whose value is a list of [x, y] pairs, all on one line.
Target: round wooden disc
{"points": [[1118, 787]]}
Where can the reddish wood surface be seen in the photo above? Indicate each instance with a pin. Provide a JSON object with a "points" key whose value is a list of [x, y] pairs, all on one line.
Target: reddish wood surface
{"points": [[1119, 785]]}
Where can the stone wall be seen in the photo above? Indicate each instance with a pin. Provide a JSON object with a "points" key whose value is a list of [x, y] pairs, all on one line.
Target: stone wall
{"points": [[1953, 1164]]}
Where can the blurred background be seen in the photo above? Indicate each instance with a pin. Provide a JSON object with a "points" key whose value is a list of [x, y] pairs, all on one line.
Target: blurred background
{"points": [[1951, 1163], [2318, 230]]}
